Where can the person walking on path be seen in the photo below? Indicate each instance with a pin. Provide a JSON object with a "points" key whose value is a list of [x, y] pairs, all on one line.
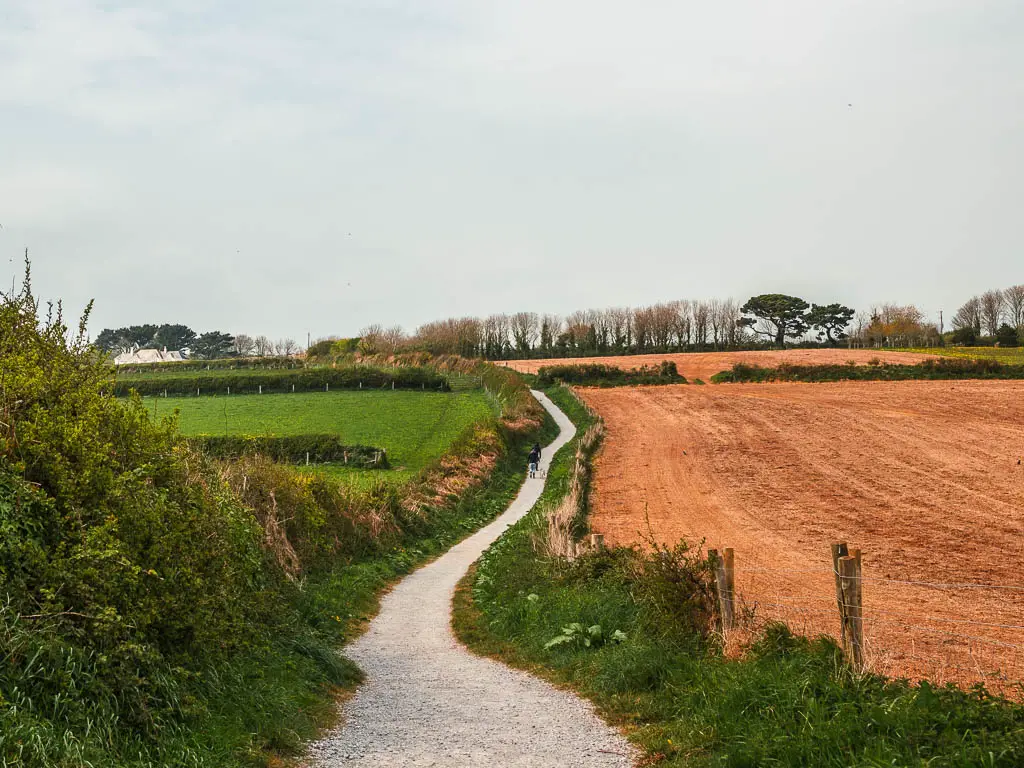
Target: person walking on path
{"points": [[534, 459]]}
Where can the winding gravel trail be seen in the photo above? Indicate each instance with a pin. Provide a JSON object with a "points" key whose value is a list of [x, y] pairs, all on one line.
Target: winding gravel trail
{"points": [[427, 701]]}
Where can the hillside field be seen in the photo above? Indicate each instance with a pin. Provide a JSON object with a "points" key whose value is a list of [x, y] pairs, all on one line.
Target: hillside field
{"points": [[704, 365], [413, 427], [926, 477]]}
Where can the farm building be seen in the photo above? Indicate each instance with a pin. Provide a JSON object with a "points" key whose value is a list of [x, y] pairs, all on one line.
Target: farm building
{"points": [[138, 356]]}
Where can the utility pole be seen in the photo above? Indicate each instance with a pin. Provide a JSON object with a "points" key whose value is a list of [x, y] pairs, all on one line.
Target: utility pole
{"points": [[942, 324]]}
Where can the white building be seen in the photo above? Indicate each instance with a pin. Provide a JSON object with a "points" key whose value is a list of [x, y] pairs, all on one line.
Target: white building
{"points": [[138, 356]]}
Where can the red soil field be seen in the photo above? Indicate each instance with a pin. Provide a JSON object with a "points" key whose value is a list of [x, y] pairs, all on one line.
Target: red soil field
{"points": [[704, 365], [925, 477]]}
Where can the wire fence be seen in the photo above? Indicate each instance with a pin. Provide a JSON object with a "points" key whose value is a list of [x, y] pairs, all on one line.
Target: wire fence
{"points": [[961, 632]]}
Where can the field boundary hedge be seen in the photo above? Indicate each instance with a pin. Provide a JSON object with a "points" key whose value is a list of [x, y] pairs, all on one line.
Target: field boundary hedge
{"points": [[220, 364], [941, 369], [271, 382], [599, 375], [318, 449]]}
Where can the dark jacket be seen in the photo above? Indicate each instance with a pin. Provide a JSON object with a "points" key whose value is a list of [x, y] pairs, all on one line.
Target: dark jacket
{"points": [[534, 457]]}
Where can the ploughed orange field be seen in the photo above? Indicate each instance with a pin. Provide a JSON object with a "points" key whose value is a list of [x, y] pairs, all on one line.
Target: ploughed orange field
{"points": [[925, 477], [704, 365]]}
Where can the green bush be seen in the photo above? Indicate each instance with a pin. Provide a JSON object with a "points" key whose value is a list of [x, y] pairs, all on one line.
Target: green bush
{"points": [[318, 449], [307, 380], [938, 369], [171, 368], [597, 375]]}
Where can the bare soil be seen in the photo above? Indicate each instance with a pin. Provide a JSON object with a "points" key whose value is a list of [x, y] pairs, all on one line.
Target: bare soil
{"points": [[704, 365], [925, 477]]}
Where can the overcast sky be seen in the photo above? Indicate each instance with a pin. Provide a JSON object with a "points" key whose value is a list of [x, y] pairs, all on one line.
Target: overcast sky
{"points": [[278, 167]]}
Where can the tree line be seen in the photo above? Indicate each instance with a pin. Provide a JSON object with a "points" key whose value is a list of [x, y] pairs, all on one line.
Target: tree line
{"points": [[675, 326], [204, 346], [994, 316]]}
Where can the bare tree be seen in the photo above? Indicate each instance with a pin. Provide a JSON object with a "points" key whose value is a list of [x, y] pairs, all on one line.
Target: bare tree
{"points": [[700, 311], [525, 330], [244, 345], [371, 339], [392, 338], [286, 347], [1013, 298], [991, 311], [969, 315], [262, 346]]}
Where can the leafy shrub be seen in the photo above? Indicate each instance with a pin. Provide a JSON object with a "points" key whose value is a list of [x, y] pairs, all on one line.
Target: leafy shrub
{"points": [[173, 367], [307, 380], [295, 448], [598, 375], [937, 369]]}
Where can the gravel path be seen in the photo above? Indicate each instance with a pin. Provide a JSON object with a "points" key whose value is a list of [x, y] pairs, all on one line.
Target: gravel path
{"points": [[429, 702]]}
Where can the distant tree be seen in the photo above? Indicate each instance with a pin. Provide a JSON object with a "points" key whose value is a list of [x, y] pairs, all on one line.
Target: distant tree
{"points": [[775, 316], [123, 339], [524, 332], [287, 347], [1013, 298], [245, 345], [831, 321], [992, 305], [1006, 335], [262, 346], [174, 336], [969, 316], [966, 336], [392, 338], [212, 345]]}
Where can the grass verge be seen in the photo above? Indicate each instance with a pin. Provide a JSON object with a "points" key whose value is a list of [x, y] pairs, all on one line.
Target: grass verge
{"points": [[628, 629]]}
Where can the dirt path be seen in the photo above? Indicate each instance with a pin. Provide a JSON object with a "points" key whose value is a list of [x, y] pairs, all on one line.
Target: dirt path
{"points": [[429, 702], [923, 476]]}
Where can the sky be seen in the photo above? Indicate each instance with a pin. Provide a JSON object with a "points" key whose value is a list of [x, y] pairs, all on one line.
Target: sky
{"points": [[282, 168]]}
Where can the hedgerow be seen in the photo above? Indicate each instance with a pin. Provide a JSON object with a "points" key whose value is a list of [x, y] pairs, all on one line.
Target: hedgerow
{"points": [[598, 375], [317, 449], [173, 367], [266, 382], [938, 369]]}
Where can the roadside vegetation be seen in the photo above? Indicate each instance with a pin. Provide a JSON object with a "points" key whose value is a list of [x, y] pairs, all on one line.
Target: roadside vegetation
{"points": [[950, 368], [633, 629], [598, 375], [158, 607]]}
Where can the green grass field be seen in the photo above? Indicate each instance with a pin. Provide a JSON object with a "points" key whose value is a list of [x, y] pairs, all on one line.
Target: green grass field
{"points": [[1011, 355], [413, 427]]}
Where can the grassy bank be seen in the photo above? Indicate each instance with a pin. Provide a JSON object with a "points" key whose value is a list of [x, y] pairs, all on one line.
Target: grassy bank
{"points": [[632, 630]]}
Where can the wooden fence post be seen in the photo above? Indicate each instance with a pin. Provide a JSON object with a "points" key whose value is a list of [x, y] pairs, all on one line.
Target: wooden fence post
{"points": [[729, 562], [839, 550], [722, 586], [850, 574]]}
